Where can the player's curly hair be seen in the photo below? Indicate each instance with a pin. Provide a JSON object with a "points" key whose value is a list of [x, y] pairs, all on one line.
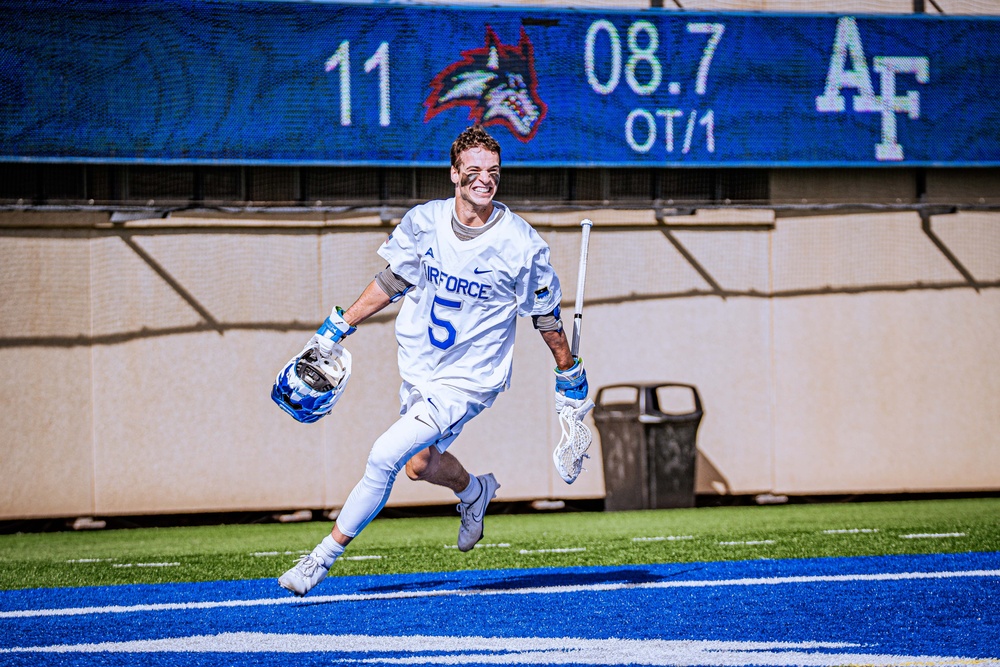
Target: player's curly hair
{"points": [[473, 137]]}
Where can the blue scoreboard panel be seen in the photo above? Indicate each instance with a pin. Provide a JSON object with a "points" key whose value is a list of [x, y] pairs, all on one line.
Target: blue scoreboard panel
{"points": [[295, 83]]}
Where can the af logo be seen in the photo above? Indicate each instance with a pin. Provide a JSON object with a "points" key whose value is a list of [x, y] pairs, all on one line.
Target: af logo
{"points": [[847, 44], [497, 82]]}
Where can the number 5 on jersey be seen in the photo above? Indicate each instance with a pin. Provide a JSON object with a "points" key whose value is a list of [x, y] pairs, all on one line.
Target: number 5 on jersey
{"points": [[442, 323]]}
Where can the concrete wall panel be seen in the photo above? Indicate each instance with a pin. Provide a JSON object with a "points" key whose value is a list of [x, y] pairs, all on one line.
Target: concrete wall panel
{"points": [[186, 423], [45, 281], [856, 252], [46, 439], [46, 445], [974, 239], [129, 296], [887, 392]]}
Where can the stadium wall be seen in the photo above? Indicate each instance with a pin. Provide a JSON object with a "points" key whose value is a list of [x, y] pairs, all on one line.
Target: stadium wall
{"points": [[834, 354]]}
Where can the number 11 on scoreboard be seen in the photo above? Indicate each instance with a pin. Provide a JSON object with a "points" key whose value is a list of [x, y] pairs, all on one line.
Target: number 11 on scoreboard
{"points": [[341, 60]]}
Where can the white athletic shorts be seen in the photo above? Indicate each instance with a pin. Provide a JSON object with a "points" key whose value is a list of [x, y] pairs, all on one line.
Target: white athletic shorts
{"points": [[450, 408]]}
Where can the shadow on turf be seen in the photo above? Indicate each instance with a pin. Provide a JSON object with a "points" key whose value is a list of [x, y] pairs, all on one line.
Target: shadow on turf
{"points": [[531, 580], [541, 580], [571, 578]]}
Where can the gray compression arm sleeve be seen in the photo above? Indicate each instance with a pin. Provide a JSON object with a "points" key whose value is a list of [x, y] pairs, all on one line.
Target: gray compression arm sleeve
{"points": [[391, 283], [550, 322]]}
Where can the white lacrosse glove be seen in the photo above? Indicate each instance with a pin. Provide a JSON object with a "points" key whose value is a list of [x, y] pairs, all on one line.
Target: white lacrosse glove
{"points": [[572, 387], [333, 330]]}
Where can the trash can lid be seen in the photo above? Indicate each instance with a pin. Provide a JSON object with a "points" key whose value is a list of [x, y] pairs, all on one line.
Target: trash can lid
{"points": [[645, 401]]}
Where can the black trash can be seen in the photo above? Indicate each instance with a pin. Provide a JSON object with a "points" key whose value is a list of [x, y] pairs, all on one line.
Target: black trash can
{"points": [[649, 453]]}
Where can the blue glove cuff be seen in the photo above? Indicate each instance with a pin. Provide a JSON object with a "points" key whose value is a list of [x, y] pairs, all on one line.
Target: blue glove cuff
{"points": [[572, 382], [335, 327]]}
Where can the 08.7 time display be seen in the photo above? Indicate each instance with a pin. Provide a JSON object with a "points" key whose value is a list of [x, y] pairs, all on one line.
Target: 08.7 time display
{"points": [[643, 71]]}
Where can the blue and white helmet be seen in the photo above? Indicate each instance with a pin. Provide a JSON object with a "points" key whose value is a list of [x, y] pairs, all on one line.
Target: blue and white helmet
{"points": [[311, 383]]}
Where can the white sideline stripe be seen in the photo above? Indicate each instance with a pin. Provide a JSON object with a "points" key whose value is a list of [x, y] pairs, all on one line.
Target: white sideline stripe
{"points": [[749, 543], [447, 650], [917, 536], [361, 558], [145, 564], [539, 590], [552, 551]]}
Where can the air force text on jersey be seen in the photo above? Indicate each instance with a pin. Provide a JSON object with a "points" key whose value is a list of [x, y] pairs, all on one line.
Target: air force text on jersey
{"points": [[456, 285]]}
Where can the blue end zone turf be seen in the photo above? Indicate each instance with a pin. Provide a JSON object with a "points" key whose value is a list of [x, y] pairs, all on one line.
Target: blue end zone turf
{"points": [[921, 610]]}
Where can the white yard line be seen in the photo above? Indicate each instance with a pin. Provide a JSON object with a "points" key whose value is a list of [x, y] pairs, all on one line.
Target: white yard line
{"points": [[449, 650], [850, 531], [931, 536], [262, 554], [501, 545], [539, 590], [662, 538]]}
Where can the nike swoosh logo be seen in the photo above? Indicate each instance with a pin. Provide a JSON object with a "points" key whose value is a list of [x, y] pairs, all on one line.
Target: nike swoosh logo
{"points": [[479, 517], [479, 273], [422, 421]]}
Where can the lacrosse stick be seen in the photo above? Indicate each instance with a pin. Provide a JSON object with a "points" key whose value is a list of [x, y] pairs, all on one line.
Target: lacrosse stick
{"points": [[576, 437]]}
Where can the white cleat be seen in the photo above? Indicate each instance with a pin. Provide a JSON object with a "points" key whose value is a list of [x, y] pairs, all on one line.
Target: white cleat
{"points": [[304, 576], [471, 529]]}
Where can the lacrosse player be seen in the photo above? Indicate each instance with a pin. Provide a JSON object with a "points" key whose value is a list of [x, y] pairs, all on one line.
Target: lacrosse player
{"points": [[464, 268]]}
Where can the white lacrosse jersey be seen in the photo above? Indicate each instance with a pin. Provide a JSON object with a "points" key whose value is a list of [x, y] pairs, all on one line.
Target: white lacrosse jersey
{"points": [[456, 326]]}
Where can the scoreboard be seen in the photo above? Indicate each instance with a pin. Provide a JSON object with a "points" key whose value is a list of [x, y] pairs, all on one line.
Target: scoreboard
{"points": [[317, 83]]}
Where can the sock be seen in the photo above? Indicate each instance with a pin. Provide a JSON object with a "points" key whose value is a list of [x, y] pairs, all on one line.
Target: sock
{"points": [[328, 551], [472, 491]]}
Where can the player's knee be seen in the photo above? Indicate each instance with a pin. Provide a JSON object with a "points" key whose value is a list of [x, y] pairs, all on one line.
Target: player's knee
{"points": [[421, 465], [384, 460], [380, 464]]}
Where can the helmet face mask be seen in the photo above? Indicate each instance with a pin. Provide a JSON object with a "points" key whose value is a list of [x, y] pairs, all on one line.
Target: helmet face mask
{"points": [[311, 383], [309, 370]]}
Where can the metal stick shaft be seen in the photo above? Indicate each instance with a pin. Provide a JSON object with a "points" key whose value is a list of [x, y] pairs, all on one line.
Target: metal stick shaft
{"points": [[581, 281]]}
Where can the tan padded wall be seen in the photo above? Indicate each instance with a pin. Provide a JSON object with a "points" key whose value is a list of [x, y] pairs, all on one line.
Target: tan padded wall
{"points": [[892, 402], [46, 405], [833, 354], [894, 388]]}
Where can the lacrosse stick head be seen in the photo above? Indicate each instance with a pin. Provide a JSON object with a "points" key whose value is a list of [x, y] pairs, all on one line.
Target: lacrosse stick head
{"points": [[572, 449], [311, 383]]}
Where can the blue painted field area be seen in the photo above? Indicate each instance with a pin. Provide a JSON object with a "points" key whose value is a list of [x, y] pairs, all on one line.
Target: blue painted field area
{"points": [[892, 610]]}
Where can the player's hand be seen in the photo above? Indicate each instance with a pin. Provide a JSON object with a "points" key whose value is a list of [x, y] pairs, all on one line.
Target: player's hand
{"points": [[333, 330], [571, 386]]}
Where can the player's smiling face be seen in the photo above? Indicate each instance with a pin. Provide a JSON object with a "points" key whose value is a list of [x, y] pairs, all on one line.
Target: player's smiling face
{"points": [[477, 176]]}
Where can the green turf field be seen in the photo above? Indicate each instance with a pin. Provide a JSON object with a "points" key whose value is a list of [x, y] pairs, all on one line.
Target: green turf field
{"points": [[205, 553]]}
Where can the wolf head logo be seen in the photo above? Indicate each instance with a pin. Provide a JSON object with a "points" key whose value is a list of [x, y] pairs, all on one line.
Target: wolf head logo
{"points": [[497, 82]]}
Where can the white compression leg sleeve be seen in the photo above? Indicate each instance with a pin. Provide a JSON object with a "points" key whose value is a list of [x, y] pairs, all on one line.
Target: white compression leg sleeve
{"points": [[412, 433]]}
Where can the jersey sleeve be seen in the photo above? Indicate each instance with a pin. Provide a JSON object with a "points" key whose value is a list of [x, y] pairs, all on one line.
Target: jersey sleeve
{"points": [[538, 293], [400, 250]]}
